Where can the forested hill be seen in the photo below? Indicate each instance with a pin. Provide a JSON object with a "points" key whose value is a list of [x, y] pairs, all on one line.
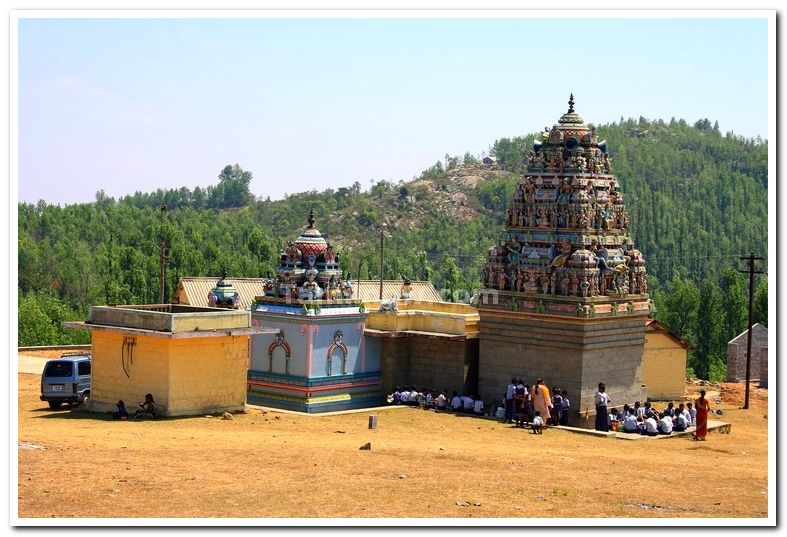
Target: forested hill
{"points": [[697, 200]]}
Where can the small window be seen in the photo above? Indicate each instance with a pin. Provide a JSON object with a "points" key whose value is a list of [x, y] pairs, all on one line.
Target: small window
{"points": [[83, 368], [59, 369]]}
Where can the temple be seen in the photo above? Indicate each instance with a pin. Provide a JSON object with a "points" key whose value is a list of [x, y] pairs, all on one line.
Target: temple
{"points": [[566, 292], [313, 360]]}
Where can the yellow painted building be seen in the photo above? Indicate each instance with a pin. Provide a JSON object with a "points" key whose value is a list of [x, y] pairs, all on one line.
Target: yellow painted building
{"points": [[663, 363], [192, 360], [444, 318]]}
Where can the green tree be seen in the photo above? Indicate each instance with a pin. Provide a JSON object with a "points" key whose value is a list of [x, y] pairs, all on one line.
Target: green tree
{"points": [[232, 190], [35, 327], [760, 314], [733, 304], [710, 318], [677, 307], [453, 278]]}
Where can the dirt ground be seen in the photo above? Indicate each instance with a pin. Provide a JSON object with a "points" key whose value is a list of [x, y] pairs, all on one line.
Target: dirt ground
{"points": [[422, 464]]}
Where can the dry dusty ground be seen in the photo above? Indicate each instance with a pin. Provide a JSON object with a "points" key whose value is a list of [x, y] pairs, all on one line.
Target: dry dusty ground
{"points": [[422, 464]]}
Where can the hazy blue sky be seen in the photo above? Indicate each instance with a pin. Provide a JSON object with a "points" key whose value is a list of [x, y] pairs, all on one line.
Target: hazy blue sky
{"points": [[139, 104]]}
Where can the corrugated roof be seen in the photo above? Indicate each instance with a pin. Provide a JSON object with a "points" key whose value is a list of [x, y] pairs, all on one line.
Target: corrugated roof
{"points": [[193, 290], [369, 290]]}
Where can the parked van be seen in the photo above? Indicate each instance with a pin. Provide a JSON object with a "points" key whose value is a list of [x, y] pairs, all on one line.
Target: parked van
{"points": [[66, 380]]}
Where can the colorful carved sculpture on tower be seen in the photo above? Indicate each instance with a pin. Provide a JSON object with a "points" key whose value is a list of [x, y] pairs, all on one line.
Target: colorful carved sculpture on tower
{"points": [[306, 269], [566, 228]]}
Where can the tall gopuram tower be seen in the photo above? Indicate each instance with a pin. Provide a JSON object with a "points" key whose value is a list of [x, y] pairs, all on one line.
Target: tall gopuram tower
{"points": [[312, 357], [566, 296]]}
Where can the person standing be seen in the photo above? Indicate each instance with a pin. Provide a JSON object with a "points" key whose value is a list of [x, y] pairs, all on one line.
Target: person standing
{"points": [[520, 404], [510, 401], [566, 404], [557, 405], [703, 408], [602, 400], [542, 401]]}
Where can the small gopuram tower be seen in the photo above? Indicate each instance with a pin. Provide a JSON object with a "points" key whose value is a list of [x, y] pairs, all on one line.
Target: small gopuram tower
{"points": [[566, 292], [313, 359]]}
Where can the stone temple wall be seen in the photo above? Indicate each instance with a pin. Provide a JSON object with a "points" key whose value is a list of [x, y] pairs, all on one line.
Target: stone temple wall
{"points": [[573, 355]]}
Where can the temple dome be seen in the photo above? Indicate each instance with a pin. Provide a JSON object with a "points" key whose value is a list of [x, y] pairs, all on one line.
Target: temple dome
{"points": [[311, 241], [571, 118], [582, 258]]}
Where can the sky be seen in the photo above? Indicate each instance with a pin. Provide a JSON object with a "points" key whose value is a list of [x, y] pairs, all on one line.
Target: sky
{"points": [[125, 105]]}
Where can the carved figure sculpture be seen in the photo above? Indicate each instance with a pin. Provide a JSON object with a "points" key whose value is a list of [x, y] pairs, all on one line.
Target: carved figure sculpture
{"points": [[564, 193]]}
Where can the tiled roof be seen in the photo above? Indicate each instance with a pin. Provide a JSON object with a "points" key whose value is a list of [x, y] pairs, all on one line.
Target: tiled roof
{"points": [[369, 290], [193, 290]]}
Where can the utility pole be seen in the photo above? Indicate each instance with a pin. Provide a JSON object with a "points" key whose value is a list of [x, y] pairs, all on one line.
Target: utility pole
{"points": [[163, 257], [382, 253], [750, 258], [360, 263]]}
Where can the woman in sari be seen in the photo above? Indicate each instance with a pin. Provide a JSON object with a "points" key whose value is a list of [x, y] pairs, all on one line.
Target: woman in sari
{"points": [[541, 398], [703, 408]]}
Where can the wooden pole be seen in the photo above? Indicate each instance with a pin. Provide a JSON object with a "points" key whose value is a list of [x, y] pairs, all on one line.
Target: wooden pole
{"points": [[750, 258]]}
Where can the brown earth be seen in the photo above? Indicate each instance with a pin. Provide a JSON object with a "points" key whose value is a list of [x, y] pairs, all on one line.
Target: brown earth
{"points": [[268, 464]]}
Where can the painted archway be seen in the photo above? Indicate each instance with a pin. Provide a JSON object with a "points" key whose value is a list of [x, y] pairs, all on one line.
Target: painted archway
{"points": [[338, 344], [279, 341]]}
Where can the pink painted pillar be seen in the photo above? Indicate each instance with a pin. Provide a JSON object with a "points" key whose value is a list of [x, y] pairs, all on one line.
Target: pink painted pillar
{"points": [[362, 348], [308, 331]]}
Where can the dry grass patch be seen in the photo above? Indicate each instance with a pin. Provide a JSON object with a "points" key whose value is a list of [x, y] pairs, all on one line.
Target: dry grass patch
{"points": [[422, 464]]}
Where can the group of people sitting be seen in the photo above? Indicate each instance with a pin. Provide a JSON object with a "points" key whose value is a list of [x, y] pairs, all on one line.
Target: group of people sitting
{"points": [[430, 398], [147, 409], [644, 419]]}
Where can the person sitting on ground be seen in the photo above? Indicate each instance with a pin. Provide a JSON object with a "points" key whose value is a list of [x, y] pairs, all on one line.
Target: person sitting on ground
{"points": [[430, 395], [665, 423], [413, 399], [639, 410], [641, 425], [478, 405], [692, 413], [649, 412], [651, 426], [397, 396], [121, 413], [685, 411], [409, 396], [467, 404], [456, 402], [680, 422], [538, 423], [565, 407], [421, 398], [441, 403], [629, 420], [148, 409], [613, 419], [670, 410], [404, 396]]}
